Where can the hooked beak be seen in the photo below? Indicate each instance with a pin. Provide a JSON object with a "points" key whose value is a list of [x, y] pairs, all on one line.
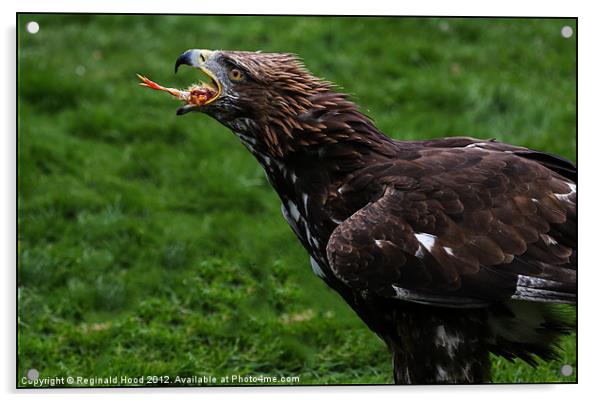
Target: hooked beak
{"points": [[197, 58], [192, 58]]}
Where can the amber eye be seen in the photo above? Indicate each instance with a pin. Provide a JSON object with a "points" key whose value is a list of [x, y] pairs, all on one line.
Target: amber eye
{"points": [[235, 75]]}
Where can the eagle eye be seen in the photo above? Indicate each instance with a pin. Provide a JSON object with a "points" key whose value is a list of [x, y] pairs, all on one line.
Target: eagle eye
{"points": [[235, 74]]}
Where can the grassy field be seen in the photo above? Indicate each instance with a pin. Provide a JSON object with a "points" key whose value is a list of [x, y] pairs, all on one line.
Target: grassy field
{"points": [[151, 244]]}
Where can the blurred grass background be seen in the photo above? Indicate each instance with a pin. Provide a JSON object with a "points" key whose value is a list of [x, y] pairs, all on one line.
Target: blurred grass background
{"points": [[151, 244]]}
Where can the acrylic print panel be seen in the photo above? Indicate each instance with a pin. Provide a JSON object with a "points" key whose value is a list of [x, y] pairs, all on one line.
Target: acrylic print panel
{"points": [[152, 251]]}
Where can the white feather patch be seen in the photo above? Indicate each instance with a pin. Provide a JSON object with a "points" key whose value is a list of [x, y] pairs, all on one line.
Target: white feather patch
{"points": [[305, 198], [548, 240], [447, 340], [316, 268], [380, 243], [420, 252], [294, 211], [427, 240], [442, 374], [476, 144], [566, 196]]}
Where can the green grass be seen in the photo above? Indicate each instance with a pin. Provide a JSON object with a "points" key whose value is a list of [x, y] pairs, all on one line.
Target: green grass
{"points": [[151, 244]]}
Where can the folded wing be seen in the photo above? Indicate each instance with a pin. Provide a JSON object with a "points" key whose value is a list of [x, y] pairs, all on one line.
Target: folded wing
{"points": [[463, 226]]}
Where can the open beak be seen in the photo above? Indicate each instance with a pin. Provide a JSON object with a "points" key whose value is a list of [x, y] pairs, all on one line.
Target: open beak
{"points": [[197, 58]]}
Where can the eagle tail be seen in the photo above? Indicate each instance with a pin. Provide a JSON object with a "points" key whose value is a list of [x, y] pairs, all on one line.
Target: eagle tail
{"points": [[524, 330]]}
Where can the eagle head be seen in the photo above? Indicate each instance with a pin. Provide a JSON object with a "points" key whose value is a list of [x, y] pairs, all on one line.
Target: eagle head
{"points": [[264, 97]]}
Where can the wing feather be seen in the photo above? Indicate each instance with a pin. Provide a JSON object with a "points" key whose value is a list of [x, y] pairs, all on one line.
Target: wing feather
{"points": [[472, 223]]}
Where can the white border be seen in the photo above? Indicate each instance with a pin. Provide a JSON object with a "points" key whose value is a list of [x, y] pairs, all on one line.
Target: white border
{"points": [[374, 7], [590, 132]]}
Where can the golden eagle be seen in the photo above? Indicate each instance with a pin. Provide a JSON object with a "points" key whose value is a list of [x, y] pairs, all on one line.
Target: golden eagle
{"points": [[448, 249]]}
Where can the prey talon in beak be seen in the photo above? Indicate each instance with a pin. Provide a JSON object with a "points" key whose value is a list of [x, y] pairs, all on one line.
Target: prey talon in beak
{"points": [[197, 95]]}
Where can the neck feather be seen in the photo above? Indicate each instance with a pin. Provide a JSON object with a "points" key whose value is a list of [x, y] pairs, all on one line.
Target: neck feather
{"points": [[317, 123]]}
